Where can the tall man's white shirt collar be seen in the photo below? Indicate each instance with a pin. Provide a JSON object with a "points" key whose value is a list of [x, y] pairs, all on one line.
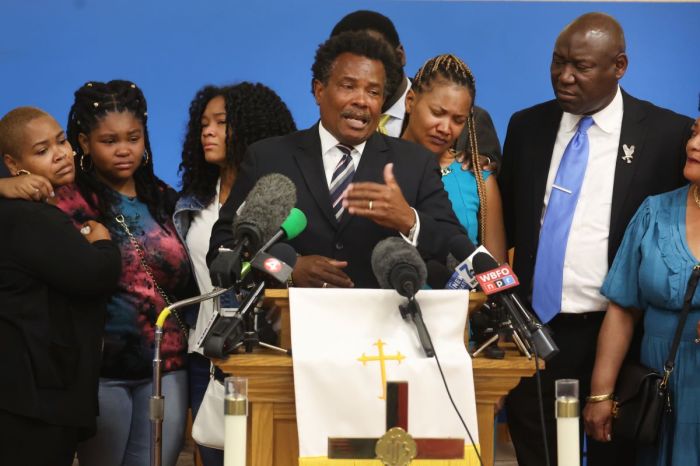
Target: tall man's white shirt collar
{"points": [[609, 119], [398, 110], [396, 113]]}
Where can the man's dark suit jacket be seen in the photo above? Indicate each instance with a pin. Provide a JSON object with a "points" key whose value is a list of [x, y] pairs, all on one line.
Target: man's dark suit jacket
{"points": [[298, 156], [658, 135]]}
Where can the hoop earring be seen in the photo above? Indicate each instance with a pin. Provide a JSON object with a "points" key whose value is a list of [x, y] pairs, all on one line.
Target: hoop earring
{"points": [[145, 157], [22, 171], [82, 163]]}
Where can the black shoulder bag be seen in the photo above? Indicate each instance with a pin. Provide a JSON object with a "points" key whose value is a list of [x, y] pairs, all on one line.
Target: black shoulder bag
{"points": [[642, 396]]}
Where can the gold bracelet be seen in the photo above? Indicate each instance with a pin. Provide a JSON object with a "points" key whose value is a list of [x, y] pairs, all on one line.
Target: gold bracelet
{"points": [[599, 398]]}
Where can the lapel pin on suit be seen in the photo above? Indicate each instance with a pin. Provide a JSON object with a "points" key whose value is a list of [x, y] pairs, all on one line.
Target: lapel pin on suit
{"points": [[629, 153]]}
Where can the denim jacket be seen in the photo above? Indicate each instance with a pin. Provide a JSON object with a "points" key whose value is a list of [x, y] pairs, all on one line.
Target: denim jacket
{"points": [[185, 208]]}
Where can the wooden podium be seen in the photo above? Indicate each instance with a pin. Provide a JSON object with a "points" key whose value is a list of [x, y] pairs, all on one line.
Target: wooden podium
{"points": [[272, 430]]}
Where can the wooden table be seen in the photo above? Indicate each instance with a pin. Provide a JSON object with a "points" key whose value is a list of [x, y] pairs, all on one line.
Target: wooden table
{"points": [[272, 430]]}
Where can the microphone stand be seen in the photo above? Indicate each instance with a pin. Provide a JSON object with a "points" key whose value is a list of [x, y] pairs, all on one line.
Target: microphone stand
{"points": [[230, 332], [156, 405], [157, 402], [250, 335], [509, 329], [412, 309], [528, 334]]}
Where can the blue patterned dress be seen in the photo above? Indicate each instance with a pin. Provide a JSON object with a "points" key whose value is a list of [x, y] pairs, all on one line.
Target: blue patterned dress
{"points": [[651, 272]]}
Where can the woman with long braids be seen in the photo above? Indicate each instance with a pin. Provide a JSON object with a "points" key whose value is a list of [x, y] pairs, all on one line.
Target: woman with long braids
{"points": [[223, 122], [115, 184], [438, 106]]}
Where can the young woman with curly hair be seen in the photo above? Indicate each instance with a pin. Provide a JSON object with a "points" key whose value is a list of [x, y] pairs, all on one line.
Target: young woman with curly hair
{"points": [[223, 122]]}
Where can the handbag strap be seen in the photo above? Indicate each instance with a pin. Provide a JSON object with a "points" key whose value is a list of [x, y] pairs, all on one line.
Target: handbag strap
{"points": [[687, 301], [147, 268]]}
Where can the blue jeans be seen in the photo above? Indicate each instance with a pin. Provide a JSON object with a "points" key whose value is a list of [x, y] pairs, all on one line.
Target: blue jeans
{"points": [[199, 367], [124, 428]]}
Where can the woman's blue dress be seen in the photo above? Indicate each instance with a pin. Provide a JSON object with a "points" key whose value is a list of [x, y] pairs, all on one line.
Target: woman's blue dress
{"points": [[651, 272], [461, 190]]}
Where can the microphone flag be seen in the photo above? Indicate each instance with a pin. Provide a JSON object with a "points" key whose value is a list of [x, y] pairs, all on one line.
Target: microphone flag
{"points": [[498, 279]]}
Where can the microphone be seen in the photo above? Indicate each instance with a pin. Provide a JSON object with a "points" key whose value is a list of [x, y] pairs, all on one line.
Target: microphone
{"points": [[293, 225], [461, 251], [228, 332], [438, 274], [461, 247], [267, 206], [278, 259], [398, 265], [495, 280], [277, 262]]}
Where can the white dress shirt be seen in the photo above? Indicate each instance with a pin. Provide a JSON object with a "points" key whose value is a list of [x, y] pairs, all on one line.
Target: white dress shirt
{"points": [[331, 155], [586, 258], [197, 242], [396, 113]]}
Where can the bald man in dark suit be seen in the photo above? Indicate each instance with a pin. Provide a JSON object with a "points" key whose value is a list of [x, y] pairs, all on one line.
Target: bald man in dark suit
{"points": [[636, 149]]}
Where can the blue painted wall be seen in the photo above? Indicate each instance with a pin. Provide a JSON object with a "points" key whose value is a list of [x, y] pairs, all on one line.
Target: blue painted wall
{"points": [[48, 48]]}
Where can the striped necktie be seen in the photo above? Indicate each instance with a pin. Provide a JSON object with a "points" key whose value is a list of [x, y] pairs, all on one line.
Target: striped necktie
{"points": [[342, 176], [383, 120], [554, 235]]}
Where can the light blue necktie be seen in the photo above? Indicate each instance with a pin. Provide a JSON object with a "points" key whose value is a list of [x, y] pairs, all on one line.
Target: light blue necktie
{"points": [[549, 266]]}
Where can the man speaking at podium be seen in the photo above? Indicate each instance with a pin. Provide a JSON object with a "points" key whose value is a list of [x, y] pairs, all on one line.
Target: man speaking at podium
{"points": [[355, 185]]}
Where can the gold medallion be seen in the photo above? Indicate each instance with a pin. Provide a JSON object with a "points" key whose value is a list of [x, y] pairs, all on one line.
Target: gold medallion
{"points": [[396, 448]]}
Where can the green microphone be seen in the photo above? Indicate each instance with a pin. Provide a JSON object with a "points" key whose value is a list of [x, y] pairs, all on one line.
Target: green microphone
{"points": [[294, 224]]}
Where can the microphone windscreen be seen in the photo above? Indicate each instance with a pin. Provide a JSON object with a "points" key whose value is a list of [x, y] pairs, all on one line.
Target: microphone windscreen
{"points": [[284, 252], [460, 247], [294, 224], [266, 207], [482, 262], [438, 275], [392, 252]]}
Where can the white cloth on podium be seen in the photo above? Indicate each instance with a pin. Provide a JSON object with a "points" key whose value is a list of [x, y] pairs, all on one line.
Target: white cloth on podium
{"points": [[337, 395]]}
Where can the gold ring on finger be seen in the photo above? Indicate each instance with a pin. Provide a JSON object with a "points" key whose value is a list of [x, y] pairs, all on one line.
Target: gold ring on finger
{"points": [[370, 205]]}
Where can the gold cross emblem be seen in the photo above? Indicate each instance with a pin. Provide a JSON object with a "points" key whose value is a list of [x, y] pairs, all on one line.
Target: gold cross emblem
{"points": [[381, 358]]}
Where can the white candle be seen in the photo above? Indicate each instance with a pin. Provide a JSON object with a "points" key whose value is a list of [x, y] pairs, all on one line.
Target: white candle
{"points": [[567, 411], [235, 420], [235, 426], [568, 453]]}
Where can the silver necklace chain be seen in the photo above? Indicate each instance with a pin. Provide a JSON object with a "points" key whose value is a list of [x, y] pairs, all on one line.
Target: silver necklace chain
{"points": [[142, 257]]}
